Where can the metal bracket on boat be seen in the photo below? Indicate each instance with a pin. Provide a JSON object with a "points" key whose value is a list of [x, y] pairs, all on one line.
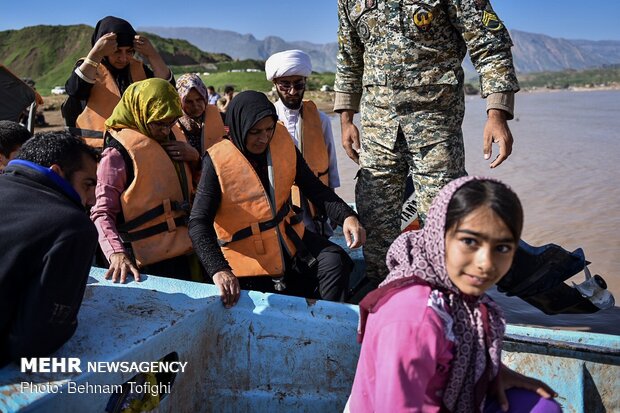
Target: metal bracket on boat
{"points": [[278, 284], [594, 288]]}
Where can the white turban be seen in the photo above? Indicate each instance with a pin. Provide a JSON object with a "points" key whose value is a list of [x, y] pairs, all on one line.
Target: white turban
{"points": [[288, 63]]}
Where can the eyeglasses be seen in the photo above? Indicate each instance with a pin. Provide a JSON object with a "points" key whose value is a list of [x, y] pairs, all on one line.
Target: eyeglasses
{"points": [[163, 125], [285, 85]]}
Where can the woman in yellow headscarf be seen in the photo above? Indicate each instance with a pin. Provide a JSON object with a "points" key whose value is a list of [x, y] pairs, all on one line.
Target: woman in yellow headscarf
{"points": [[144, 188]]}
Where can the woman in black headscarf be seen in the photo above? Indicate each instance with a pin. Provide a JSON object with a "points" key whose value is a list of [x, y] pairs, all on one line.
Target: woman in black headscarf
{"points": [[242, 224], [100, 79]]}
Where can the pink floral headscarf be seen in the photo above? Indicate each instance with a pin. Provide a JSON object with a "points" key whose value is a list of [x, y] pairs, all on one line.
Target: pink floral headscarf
{"points": [[186, 82], [421, 255]]}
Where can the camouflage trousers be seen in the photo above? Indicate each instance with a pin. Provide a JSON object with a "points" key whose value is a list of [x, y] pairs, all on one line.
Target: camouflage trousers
{"points": [[380, 188]]}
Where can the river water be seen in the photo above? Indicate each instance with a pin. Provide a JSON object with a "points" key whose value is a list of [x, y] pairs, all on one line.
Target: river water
{"points": [[565, 167]]}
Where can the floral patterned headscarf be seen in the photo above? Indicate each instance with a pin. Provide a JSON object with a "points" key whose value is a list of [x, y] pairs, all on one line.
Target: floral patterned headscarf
{"points": [[190, 81], [150, 100], [421, 255]]}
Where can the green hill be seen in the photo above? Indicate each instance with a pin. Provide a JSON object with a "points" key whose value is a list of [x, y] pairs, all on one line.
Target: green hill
{"points": [[47, 54]]}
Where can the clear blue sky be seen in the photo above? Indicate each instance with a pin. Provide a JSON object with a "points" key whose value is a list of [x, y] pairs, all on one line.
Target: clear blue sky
{"points": [[311, 20]]}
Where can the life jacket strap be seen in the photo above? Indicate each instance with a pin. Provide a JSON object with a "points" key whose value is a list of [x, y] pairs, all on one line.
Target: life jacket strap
{"points": [[128, 237], [152, 214], [85, 133], [266, 225]]}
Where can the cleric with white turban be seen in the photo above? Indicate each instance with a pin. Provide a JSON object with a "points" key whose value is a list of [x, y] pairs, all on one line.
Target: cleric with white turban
{"points": [[288, 63], [309, 128]]}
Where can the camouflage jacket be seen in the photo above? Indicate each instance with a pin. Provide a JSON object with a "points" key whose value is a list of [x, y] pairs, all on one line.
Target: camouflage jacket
{"points": [[402, 44]]}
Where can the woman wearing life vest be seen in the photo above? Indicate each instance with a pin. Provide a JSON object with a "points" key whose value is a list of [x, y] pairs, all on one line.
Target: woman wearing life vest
{"points": [[100, 79], [431, 337], [201, 123], [243, 226], [143, 190]]}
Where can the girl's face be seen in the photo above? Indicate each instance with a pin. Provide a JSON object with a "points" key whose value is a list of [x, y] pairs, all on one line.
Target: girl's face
{"points": [[479, 251]]}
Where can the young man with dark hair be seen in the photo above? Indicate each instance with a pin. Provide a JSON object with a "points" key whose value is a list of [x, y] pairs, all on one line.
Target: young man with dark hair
{"points": [[47, 242], [12, 137]]}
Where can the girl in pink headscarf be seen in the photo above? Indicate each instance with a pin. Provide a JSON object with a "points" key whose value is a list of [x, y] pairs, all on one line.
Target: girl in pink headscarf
{"points": [[431, 337]]}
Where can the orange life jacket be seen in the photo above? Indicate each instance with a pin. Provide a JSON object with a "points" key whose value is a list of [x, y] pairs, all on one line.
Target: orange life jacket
{"points": [[155, 205], [213, 129], [101, 102], [251, 226], [314, 150]]}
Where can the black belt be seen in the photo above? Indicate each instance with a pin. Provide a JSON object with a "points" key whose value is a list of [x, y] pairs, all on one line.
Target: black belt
{"points": [[128, 237], [148, 216], [85, 133], [266, 225], [302, 252]]}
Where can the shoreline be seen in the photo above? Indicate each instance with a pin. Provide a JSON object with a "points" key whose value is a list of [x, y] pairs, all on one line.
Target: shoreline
{"points": [[323, 100]]}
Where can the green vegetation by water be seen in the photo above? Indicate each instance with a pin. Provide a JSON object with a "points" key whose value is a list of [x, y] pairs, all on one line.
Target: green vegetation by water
{"points": [[571, 78]]}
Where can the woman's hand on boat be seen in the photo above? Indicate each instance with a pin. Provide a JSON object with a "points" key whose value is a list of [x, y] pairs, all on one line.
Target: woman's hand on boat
{"points": [[121, 266], [228, 285], [508, 378], [354, 232], [181, 151]]}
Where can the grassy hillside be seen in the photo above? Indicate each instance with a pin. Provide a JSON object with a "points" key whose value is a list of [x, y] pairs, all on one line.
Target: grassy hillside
{"points": [[258, 81], [47, 54]]}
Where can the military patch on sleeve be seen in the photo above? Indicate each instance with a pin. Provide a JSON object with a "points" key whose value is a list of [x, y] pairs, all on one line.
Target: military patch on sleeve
{"points": [[491, 21], [481, 4], [423, 18], [363, 31]]}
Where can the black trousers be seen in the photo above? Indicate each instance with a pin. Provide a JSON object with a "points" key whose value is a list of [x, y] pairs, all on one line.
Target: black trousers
{"points": [[328, 279]]}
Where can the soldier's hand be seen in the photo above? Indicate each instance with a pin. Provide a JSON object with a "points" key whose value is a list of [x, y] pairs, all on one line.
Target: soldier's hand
{"points": [[496, 131], [350, 135]]}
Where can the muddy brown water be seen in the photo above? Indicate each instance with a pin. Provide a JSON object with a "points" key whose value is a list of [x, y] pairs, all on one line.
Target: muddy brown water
{"points": [[565, 167]]}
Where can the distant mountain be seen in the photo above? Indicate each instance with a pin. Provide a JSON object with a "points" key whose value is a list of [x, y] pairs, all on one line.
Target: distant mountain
{"points": [[532, 52], [246, 46], [540, 53]]}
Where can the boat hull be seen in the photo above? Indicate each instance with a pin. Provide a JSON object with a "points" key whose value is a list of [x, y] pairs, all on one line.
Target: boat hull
{"points": [[269, 353]]}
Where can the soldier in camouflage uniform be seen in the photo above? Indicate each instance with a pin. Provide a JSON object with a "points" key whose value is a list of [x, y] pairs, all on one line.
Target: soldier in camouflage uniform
{"points": [[402, 60]]}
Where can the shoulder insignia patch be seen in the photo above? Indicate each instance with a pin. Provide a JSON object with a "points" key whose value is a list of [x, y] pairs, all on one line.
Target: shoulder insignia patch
{"points": [[363, 31], [480, 4], [491, 21], [423, 18]]}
